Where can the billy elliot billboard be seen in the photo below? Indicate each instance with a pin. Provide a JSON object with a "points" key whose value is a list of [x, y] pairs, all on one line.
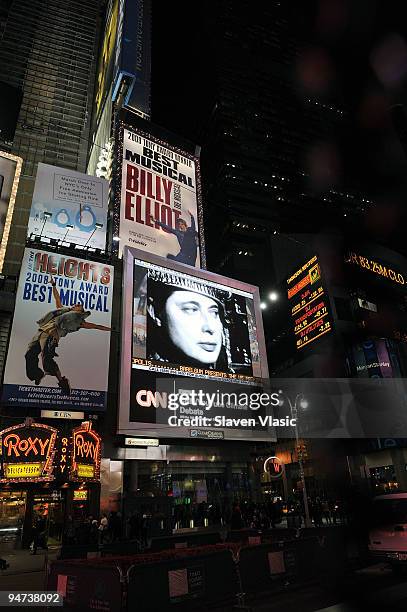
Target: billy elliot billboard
{"points": [[69, 206], [308, 304], [187, 330], [60, 338], [160, 202]]}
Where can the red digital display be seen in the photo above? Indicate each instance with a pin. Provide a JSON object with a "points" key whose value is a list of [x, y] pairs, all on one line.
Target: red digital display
{"points": [[309, 304]]}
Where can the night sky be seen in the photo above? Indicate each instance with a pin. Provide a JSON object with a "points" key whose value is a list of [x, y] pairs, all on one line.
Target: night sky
{"points": [[352, 54]]}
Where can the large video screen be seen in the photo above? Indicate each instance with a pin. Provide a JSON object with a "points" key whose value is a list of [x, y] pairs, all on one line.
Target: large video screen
{"points": [[184, 323]]}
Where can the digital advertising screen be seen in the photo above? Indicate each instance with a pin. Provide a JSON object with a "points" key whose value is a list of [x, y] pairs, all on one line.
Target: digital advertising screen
{"points": [[160, 199], [185, 329], [308, 304], [70, 207], [59, 346]]}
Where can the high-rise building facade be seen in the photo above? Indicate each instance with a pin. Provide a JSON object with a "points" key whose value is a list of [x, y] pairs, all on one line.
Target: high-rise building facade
{"points": [[48, 50], [268, 162]]}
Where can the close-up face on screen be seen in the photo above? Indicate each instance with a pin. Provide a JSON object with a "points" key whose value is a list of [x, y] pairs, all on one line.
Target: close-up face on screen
{"points": [[184, 321]]}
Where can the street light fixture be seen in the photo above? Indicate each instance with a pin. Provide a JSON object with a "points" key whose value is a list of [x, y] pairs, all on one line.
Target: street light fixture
{"points": [[69, 227], [300, 402], [273, 296], [97, 226], [47, 215]]}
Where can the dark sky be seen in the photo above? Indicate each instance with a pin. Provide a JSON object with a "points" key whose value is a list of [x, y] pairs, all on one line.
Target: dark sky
{"points": [[360, 47], [352, 53]]}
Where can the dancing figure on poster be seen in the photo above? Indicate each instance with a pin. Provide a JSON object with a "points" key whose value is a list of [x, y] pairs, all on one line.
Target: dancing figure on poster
{"points": [[53, 326], [187, 239]]}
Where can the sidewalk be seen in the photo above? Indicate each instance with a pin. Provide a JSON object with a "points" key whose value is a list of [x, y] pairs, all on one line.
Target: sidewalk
{"points": [[26, 571]]}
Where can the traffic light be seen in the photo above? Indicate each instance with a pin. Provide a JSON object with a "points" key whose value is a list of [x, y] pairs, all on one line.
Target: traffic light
{"points": [[302, 452]]}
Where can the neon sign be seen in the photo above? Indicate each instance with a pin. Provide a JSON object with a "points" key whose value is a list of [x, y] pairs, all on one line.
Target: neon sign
{"points": [[86, 453], [274, 467], [28, 452], [376, 268], [80, 495]]}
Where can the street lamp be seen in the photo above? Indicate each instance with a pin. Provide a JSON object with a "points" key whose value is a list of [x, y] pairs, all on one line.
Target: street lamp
{"points": [[300, 401], [273, 296], [47, 215], [97, 226], [69, 227]]}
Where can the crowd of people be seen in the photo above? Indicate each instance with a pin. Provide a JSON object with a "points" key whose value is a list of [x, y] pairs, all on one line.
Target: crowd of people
{"points": [[245, 515], [268, 514], [92, 532]]}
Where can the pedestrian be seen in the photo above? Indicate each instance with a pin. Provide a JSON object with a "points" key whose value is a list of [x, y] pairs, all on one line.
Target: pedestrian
{"points": [[236, 519], [103, 529], [326, 513], [94, 533], [39, 535], [317, 512], [69, 536]]}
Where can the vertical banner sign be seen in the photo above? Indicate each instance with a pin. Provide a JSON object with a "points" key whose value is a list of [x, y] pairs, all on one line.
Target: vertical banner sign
{"points": [[69, 207], [106, 61], [160, 209], [309, 304], [86, 453], [133, 55], [10, 170], [59, 345]]}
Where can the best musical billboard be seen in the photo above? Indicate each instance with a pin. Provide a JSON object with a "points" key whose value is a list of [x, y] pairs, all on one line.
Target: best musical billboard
{"points": [[59, 346], [160, 203], [69, 206], [185, 328], [10, 170]]}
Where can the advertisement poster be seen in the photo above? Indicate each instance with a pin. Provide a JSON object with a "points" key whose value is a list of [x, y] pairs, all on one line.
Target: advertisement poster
{"points": [[187, 331], [159, 200], [59, 346], [70, 207], [10, 170]]}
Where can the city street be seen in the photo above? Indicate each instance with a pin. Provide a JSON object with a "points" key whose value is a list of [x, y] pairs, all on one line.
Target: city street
{"points": [[203, 304]]}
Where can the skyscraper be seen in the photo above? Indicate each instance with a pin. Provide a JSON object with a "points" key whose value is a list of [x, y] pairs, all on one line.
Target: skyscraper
{"points": [[48, 50], [269, 162]]}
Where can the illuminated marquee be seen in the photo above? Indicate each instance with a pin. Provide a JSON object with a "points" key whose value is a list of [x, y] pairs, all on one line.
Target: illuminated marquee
{"points": [[86, 453], [309, 304], [375, 268], [27, 452], [80, 495], [10, 171]]}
